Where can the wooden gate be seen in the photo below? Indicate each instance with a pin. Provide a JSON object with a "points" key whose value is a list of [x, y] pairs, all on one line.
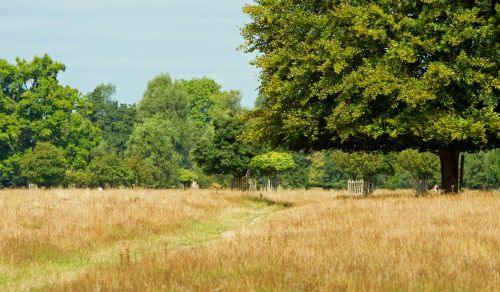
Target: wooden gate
{"points": [[244, 183]]}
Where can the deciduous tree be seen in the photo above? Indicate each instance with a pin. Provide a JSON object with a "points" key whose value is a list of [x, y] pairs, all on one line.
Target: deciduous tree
{"points": [[370, 75], [420, 165], [362, 165], [116, 121], [35, 108], [44, 166], [224, 153], [153, 141], [272, 163]]}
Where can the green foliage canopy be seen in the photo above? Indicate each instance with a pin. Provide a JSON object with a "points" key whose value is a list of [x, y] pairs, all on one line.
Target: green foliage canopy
{"points": [[297, 177], [116, 121], [225, 154], [164, 133], [45, 165], [182, 122], [153, 142], [186, 176], [420, 165], [272, 162], [107, 169], [35, 108], [362, 165], [200, 92], [324, 172], [482, 170], [376, 74], [165, 98]]}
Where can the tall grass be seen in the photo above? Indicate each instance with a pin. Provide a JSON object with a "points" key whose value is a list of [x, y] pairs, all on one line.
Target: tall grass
{"points": [[47, 232], [381, 243], [324, 241], [75, 219]]}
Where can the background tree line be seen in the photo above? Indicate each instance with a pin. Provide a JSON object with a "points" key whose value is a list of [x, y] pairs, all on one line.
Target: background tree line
{"points": [[53, 135], [180, 131]]}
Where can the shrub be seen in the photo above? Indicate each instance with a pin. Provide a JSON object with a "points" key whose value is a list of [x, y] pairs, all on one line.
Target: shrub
{"points": [[45, 165]]}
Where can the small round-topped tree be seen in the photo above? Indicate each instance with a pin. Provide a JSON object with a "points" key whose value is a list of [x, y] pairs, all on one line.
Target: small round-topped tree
{"points": [[362, 167], [270, 164], [423, 168], [187, 178]]}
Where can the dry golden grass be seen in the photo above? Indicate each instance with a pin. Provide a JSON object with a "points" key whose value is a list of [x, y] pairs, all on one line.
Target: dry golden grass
{"points": [[46, 233], [76, 219], [327, 241]]}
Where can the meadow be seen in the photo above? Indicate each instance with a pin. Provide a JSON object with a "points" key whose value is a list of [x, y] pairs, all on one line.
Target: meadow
{"points": [[134, 239]]}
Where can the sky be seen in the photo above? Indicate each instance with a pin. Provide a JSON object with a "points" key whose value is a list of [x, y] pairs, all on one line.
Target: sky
{"points": [[129, 42]]}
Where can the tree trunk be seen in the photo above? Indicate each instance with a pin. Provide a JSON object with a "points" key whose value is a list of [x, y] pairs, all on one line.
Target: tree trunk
{"points": [[449, 169]]}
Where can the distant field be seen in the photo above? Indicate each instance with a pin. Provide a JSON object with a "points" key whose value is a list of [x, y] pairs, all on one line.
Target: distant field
{"points": [[63, 240]]}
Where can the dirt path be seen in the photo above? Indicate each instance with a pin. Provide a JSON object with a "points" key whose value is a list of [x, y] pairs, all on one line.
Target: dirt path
{"points": [[38, 276]]}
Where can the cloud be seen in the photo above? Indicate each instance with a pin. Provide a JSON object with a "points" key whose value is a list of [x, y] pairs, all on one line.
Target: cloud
{"points": [[129, 42]]}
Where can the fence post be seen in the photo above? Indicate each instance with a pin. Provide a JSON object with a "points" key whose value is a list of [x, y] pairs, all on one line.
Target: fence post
{"points": [[462, 164]]}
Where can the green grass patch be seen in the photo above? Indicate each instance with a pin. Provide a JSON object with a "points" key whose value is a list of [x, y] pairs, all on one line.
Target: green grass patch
{"points": [[200, 232], [268, 202]]}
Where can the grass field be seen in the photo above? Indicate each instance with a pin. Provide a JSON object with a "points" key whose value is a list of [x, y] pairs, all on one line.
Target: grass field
{"points": [[61, 240]]}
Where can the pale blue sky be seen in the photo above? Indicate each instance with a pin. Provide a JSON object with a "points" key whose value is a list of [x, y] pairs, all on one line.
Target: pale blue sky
{"points": [[128, 42]]}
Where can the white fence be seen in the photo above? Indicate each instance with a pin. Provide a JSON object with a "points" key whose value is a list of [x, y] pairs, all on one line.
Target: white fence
{"points": [[360, 187], [248, 183]]}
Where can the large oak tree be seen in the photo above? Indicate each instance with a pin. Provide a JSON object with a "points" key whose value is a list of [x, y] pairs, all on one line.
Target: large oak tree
{"points": [[378, 75]]}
